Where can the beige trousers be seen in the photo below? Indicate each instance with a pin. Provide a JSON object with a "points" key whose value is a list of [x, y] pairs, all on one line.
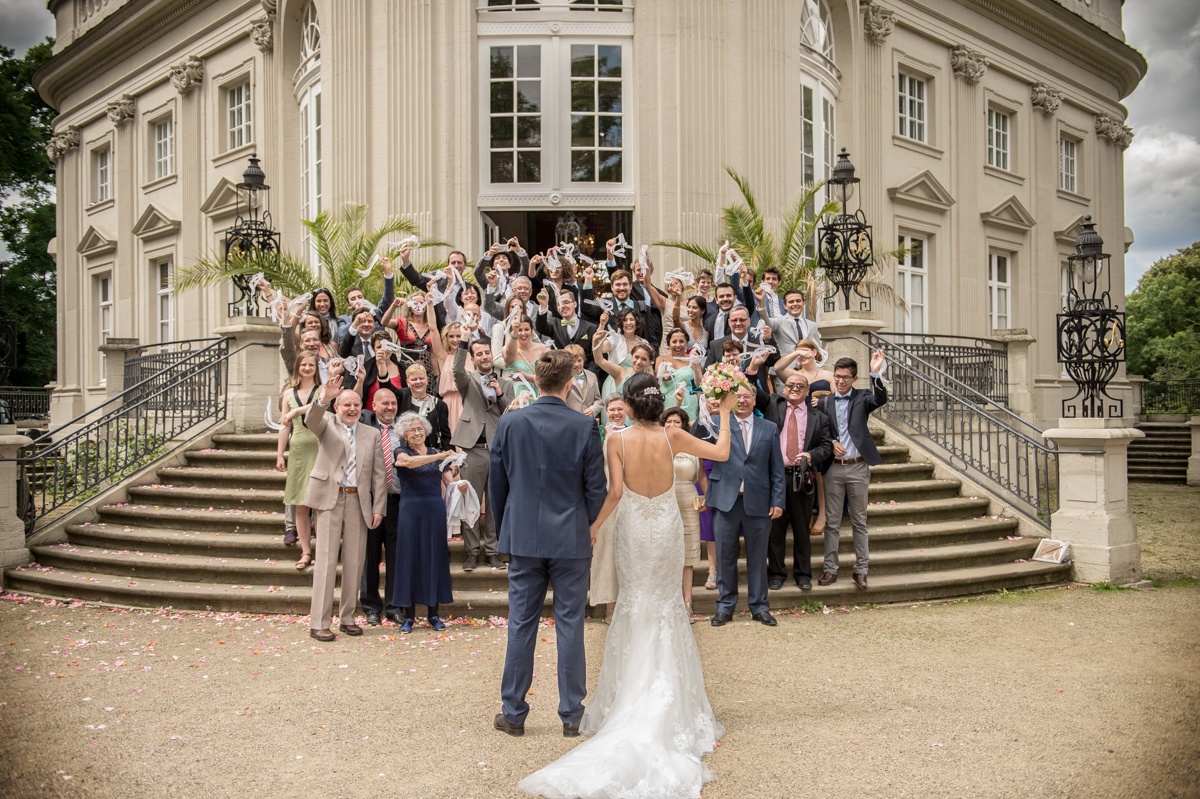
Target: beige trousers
{"points": [[340, 527]]}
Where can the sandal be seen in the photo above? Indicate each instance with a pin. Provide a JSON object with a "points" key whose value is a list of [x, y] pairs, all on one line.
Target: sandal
{"points": [[711, 582], [304, 562]]}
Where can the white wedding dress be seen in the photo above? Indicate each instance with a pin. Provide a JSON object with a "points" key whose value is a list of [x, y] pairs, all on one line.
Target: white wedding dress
{"points": [[650, 719]]}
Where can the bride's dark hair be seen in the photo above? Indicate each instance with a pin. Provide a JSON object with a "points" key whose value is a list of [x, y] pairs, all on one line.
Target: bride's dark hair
{"points": [[642, 396]]}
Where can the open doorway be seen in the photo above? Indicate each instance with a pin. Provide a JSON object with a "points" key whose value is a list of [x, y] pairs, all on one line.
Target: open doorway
{"points": [[538, 231]]}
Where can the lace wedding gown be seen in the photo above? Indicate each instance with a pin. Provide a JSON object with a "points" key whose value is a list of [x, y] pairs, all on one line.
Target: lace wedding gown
{"points": [[649, 718]]}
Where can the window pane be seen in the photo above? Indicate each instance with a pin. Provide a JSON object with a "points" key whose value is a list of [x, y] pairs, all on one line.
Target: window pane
{"points": [[529, 132], [529, 95], [529, 167], [583, 166], [610, 166], [502, 132], [502, 167], [1002, 270], [502, 98], [502, 66], [583, 62], [610, 131], [917, 257], [609, 60], [529, 61], [918, 290], [582, 95], [583, 131], [610, 96]]}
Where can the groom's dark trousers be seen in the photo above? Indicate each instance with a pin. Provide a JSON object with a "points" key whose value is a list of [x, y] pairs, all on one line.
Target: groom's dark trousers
{"points": [[546, 487]]}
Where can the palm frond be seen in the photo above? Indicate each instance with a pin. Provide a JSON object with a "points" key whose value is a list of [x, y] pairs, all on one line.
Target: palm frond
{"points": [[744, 187], [700, 251]]}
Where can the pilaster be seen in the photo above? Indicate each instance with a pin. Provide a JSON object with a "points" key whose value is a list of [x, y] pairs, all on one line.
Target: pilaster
{"points": [[1020, 371], [1193, 473], [12, 529]]}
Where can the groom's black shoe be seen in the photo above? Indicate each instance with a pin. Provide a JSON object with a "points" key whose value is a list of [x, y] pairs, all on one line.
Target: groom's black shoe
{"points": [[720, 619], [775, 583], [503, 724], [570, 730], [765, 617]]}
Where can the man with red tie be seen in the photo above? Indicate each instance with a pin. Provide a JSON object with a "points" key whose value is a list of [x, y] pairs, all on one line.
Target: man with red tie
{"points": [[805, 442]]}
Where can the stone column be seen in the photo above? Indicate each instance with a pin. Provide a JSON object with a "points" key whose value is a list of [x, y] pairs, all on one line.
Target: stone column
{"points": [[836, 330], [1136, 384], [1093, 499], [12, 529], [114, 364], [1193, 477], [254, 373], [1020, 373]]}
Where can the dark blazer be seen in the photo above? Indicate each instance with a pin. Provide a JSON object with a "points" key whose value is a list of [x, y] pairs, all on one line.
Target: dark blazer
{"points": [[862, 402], [590, 310], [341, 324], [761, 469], [439, 419], [479, 415], [551, 327], [714, 350], [817, 441], [370, 419], [546, 480]]}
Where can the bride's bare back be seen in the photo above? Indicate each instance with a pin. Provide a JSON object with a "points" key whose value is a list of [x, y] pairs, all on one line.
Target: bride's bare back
{"points": [[646, 459]]}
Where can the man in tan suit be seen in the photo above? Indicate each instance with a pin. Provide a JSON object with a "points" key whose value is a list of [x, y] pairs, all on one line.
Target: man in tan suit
{"points": [[348, 486], [583, 395]]}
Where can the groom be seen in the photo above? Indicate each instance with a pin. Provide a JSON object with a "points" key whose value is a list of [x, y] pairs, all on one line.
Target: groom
{"points": [[546, 488]]}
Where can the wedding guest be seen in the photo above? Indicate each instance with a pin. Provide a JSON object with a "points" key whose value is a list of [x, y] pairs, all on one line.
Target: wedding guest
{"points": [[616, 351], [854, 453], [584, 394], [423, 560], [311, 320], [697, 310], [566, 328], [418, 399], [322, 303], [688, 475], [621, 283], [545, 276], [717, 325], [301, 444], [792, 326], [451, 336], [456, 260], [357, 341], [739, 331], [677, 373], [522, 289], [348, 486], [381, 540], [308, 341], [654, 300], [383, 371], [502, 262], [415, 330], [706, 525], [820, 384], [521, 351], [355, 295], [603, 588], [499, 333], [704, 284]]}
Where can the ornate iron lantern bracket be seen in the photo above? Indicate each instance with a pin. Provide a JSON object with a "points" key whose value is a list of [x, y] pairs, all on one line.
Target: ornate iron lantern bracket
{"points": [[844, 247], [251, 233], [1091, 332]]}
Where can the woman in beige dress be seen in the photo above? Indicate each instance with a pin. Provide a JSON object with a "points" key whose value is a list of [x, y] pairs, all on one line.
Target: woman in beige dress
{"points": [[688, 472], [603, 586]]}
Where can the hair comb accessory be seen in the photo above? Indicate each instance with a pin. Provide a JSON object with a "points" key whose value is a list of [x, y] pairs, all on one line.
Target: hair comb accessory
{"points": [[650, 391]]}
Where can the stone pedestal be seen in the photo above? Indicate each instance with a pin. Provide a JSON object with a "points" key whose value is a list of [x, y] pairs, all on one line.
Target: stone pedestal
{"points": [[1136, 384], [1093, 499], [1193, 478], [837, 328], [12, 528], [114, 364], [255, 373], [1020, 376]]}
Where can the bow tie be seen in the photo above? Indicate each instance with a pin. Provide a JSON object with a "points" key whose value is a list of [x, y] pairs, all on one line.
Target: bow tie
{"points": [[566, 322], [841, 398], [581, 378]]}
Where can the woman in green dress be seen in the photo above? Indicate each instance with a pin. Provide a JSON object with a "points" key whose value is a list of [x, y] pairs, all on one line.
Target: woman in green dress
{"points": [[676, 374], [521, 351], [302, 448]]}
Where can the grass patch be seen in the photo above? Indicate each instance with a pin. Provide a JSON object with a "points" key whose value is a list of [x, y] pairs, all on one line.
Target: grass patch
{"points": [[811, 607], [1106, 586], [1182, 581]]}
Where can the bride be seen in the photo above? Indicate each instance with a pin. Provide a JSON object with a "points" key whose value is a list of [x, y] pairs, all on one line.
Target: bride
{"points": [[650, 714]]}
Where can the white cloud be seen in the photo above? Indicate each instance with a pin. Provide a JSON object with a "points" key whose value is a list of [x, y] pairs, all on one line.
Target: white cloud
{"points": [[24, 23], [1162, 196]]}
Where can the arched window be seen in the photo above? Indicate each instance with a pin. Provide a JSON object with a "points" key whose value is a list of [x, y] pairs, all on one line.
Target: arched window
{"points": [[816, 32], [308, 95], [819, 86]]}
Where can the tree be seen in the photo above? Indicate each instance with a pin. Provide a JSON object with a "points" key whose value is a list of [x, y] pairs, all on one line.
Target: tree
{"points": [[1162, 319], [27, 221]]}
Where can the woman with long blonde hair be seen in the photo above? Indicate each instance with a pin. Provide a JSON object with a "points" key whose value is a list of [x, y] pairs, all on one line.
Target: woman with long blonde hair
{"points": [[301, 445]]}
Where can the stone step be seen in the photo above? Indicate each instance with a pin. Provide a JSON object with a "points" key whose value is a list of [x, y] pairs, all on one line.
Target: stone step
{"points": [[1159, 467], [296, 600], [1161, 445], [233, 459], [207, 497], [199, 520], [1143, 459], [900, 472], [246, 441], [913, 491], [203, 476], [893, 454]]}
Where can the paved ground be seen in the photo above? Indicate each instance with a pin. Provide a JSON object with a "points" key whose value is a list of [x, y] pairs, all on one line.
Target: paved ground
{"points": [[1064, 693]]}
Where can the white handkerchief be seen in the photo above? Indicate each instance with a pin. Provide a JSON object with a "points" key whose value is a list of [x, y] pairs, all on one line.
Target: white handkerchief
{"points": [[759, 329], [666, 371], [460, 506], [256, 279], [706, 420], [883, 371], [458, 460], [642, 255], [586, 260], [278, 309], [412, 241], [369, 267], [267, 417], [766, 350], [619, 247], [607, 304], [389, 346], [824, 353], [352, 364], [523, 381], [359, 304], [684, 278], [299, 304]]}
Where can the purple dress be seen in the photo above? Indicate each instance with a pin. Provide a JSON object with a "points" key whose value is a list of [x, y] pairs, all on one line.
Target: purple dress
{"points": [[706, 530]]}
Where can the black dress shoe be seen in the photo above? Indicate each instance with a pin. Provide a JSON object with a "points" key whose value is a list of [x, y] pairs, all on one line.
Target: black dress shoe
{"points": [[394, 618], [570, 730], [495, 562], [804, 584], [373, 619], [469, 563], [775, 583], [720, 619], [504, 725], [765, 618]]}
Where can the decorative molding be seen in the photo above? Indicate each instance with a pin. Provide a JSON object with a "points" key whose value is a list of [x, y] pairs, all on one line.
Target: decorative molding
{"points": [[62, 142], [96, 241], [878, 23], [554, 28], [924, 191], [1010, 214], [222, 200], [1045, 98], [271, 6], [155, 222], [262, 32], [121, 110], [1114, 130], [557, 198], [187, 74], [1071, 232], [968, 64]]}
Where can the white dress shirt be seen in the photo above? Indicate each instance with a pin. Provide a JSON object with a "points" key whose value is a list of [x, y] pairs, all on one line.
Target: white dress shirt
{"points": [[747, 430]]}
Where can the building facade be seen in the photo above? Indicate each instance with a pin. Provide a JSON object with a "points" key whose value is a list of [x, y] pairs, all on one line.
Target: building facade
{"points": [[982, 130]]}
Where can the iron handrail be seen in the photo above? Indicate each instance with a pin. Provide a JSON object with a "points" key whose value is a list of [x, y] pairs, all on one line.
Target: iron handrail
{"points": [[928, 338], [1171, 396], [978, 361]]}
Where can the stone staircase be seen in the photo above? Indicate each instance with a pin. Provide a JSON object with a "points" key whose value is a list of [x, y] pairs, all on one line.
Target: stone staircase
{"points": [[1162, 456], [209, 535]]}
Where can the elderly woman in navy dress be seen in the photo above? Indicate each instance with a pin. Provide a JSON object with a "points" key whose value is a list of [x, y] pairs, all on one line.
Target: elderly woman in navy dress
{"points": [[422, 559]]}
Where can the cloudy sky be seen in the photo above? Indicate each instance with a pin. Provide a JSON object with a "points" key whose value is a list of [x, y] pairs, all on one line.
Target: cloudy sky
{"points": [[1162, 166]]}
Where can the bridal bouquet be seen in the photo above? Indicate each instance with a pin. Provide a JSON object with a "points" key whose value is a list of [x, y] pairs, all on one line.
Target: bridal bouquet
{"points": [[722, 379]]}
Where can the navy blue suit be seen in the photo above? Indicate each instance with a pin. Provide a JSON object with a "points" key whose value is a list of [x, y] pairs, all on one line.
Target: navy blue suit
{"points": [[761, 469], [546, 486]]}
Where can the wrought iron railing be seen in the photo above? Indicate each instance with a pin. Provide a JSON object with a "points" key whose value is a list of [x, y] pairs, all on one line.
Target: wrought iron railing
{"points": [[120, 437], [970, 431], [981, 363], [25, 402], [149, 371], [1171, 396]]}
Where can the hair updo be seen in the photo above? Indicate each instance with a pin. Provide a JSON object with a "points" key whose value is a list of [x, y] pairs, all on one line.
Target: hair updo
{"points": [[643, 398]]}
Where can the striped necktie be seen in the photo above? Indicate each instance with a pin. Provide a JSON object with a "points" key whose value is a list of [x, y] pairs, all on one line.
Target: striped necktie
{"points": [[387, 453]]}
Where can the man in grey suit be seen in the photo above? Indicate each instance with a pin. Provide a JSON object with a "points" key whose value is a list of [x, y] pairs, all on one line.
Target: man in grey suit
{"points": [[485, 396], [791, 327]]}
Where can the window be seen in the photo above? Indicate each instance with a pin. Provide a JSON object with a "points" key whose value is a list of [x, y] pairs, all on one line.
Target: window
{"points": [[101, 175], [1067, 161], [164, 148], [596, 107], [998, 291], [308, 96], [516, 114], [912, 107], [815, 28], [165, 301], [997, 141], [238, 104], [104, 317], [911, 278]]}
